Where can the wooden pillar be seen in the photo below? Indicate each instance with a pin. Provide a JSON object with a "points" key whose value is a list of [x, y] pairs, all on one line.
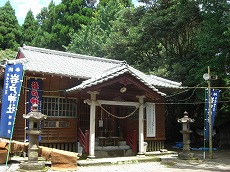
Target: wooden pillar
{"points": [[92, 124], [141, 125]]}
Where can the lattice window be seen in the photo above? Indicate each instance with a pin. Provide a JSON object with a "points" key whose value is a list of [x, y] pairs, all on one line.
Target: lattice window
{"points": [[55, 124], [59, 107]]}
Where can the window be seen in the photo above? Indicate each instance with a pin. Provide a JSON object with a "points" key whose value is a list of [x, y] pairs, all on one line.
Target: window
{"points": [[59, 107], [55, 124]]}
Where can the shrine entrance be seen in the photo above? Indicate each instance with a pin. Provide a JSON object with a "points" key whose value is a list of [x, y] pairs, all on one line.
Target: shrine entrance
{"points": [[108, 123]]}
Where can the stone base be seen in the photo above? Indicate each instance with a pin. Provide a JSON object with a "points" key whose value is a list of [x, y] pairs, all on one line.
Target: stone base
{"points": [[32, 166], [186, 155]]}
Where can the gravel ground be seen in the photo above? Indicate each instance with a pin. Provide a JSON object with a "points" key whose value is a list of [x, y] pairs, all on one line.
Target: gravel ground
{"points": [[220, 163]]}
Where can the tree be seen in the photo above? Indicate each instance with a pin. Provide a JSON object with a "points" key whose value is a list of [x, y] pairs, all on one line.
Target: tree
{"points": [[92, 39], [7, 54], [46, 20], [10, 31], [122, 43], [57, 23], [71, 15], [29, 29], [213, 47], [162, 41]]}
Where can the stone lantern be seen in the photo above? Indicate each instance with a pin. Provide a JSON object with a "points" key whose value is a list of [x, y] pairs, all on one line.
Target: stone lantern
{"points": [[186, 135], [34, 131]]}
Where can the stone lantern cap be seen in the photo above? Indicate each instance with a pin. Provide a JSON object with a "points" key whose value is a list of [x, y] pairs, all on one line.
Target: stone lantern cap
{"points": [[185, 119], [35, 114]]}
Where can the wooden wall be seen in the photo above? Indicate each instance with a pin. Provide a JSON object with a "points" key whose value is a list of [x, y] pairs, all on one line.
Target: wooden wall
{"points": [[51, 86]]}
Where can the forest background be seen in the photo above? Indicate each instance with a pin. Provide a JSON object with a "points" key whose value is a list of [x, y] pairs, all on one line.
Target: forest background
{"points": [[173, 39]]}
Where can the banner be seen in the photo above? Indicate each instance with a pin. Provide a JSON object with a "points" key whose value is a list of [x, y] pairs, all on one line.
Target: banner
{"points": [[34, 96], [11, 92], [150, 120], [214, 99]]}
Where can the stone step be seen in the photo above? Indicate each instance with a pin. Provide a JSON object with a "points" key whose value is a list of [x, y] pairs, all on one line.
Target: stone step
{"points": [[109, 142], [121, 147], [113, 153]]}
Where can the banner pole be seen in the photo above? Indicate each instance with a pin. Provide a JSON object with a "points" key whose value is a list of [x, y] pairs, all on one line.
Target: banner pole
{"points": [[25, 109], [210, 115]]}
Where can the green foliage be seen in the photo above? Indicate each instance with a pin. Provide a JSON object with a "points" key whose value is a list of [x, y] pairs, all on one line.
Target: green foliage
{"points": [[7, 54], [91, 39], [158, 39], [57, 23], [213, 45], [29, 29], [122, 43], [46, 20], [10, 31]]}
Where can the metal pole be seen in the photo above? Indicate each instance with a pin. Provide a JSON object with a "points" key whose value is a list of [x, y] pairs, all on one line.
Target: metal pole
{"points": [[210, 114]]}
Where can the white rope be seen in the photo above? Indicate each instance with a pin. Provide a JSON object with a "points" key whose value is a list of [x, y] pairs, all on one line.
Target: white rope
{"points": [[119, 117]]}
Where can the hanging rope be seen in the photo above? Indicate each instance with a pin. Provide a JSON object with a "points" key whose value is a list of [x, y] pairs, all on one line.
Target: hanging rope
{"points": [[119, 117]]}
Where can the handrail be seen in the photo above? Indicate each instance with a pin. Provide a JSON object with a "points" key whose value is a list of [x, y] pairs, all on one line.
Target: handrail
{"points": [[84, 140], [131, 139]]}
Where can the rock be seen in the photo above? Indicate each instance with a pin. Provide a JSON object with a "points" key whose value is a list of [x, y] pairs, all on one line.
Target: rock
{"points": [[63, 159]]}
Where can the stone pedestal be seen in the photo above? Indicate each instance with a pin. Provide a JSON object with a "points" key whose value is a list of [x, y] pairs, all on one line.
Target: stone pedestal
{"points": [[32, 166]]}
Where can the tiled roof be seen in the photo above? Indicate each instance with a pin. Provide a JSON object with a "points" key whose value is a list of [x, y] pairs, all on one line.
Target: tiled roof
{"points": [[94, 70], [64, 64], [109, 74]]}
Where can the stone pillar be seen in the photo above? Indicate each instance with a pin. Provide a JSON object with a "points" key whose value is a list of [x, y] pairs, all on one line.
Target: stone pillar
{"points": [[92, 124], [141, 125]]}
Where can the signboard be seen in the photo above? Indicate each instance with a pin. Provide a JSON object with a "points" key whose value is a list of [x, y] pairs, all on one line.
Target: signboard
{"points": [[150, 120], [11, 92]]}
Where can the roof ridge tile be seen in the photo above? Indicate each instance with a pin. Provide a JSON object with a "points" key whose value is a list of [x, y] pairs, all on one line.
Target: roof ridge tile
{"points": [[68, 54]]}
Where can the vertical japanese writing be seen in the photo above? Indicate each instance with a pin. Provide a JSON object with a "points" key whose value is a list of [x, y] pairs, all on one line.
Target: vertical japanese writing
{"points": [[150, 120], [214, 100], [34, 97], [34, 94], [11, 93]]}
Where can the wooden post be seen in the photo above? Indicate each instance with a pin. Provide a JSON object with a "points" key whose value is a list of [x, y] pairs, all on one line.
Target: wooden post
{"points": [[134, 141], [92, 124], [141, 125], [87, 141]]}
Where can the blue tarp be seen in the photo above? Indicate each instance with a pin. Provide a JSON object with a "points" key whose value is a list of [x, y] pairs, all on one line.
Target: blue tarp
{"points": [[179, 145]]}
